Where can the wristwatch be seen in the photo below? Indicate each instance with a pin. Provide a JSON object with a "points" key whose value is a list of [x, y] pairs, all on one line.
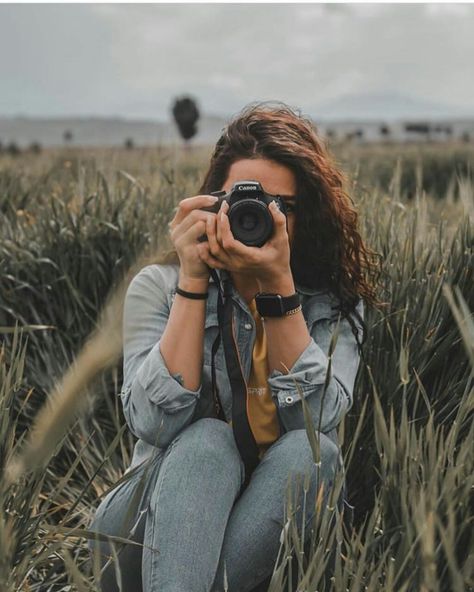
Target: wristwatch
{"points": [[276, 305]]}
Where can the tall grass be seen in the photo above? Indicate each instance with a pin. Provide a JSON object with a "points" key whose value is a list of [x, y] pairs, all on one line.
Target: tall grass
{"points": [[435, 168], [73, 229]]}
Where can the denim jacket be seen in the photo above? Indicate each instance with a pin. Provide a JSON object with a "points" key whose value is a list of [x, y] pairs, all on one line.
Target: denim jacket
{"points": [[157, 406]]}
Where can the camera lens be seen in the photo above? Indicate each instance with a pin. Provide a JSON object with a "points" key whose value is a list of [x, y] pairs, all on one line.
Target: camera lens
{"points": [[248, 221], [251, 222]]}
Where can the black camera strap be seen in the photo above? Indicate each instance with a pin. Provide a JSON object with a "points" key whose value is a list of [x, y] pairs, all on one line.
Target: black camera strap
{"points": [[243, 435]]}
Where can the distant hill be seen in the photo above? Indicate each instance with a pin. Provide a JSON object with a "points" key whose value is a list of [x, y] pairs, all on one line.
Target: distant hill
{"points": [[101, 131], [392, 106], [344, 115]]}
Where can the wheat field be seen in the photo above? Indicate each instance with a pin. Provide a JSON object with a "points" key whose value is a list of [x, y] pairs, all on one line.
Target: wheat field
{"points": [[77, 224]]}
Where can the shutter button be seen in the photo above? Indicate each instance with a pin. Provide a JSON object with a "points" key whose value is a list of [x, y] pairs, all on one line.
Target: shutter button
{"points": [[248, 326], [289, 399]]}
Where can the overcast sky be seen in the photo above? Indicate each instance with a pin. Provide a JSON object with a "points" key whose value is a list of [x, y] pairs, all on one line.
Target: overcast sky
{"points": [[131, 60]]}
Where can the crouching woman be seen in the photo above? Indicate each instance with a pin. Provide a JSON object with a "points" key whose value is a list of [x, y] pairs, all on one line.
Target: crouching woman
{"points": [[198, 512]]}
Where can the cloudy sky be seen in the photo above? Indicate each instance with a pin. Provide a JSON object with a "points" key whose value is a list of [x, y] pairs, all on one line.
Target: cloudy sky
{"points": [[131, 60]]}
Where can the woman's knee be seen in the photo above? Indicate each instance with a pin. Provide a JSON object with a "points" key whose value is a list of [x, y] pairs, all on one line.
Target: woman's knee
{"points": [[292, 461], [293, 450], [209, 440]]}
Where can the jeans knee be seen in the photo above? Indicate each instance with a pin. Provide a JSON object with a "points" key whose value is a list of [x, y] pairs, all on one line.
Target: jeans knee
{"points": [[210, 440], [299, 468], [295, 448]]}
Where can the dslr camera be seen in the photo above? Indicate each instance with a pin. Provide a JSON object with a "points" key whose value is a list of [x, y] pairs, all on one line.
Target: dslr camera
{"points": [[250, 219]]}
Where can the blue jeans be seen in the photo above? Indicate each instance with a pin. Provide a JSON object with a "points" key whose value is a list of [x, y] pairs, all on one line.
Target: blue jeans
{"points": [[192, 520]]}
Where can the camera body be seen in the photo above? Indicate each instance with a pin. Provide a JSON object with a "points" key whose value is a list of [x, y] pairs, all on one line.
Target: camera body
{"points": [[250, 220]]}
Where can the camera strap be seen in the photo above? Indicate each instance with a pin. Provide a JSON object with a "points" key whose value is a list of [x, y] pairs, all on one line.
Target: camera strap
{"points": [[243, 435]]}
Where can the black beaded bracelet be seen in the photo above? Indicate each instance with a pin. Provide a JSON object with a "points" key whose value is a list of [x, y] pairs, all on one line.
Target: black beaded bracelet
{"points": [[193, 295]]}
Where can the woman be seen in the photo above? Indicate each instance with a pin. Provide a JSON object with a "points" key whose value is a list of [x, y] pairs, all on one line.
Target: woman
{"points": [[184, 500]]}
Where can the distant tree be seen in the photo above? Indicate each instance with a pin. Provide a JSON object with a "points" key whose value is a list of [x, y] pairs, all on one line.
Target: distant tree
{"points": [[359, 133], [466, 137], [330, 133], [129, 144], [13, 149], [385, 131], [186, 115], [447, 130], [67, 136], [349, 136], [35, 147], [1, 147], [419, 128], [422, 129]]}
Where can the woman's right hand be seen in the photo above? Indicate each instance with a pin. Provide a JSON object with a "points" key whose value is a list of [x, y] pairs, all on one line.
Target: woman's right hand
{"points": [[188, 224]]}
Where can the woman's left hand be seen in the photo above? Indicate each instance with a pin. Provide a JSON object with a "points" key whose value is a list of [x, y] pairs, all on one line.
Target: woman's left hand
{"points": [[223, 251]]}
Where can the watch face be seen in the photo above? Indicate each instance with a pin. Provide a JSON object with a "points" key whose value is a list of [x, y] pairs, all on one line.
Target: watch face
{"points": [[270, 305], [275, 305]]}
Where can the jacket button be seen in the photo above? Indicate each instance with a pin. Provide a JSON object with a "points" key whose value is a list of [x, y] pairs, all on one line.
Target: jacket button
{"points": [[248, 326], [289, 399]]}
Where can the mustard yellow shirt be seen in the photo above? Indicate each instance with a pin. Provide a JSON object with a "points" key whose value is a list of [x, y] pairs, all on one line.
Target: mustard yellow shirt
{"points": [[261, 409]]}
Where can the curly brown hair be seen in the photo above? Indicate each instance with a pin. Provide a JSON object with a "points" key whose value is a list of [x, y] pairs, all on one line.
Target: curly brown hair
{"points": [[327, 250]]}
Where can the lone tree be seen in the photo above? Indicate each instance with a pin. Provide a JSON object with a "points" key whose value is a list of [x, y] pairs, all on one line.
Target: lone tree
{"points": [[13, 149], [35, 148], [67, 136], [186, 115], [385, 131]]}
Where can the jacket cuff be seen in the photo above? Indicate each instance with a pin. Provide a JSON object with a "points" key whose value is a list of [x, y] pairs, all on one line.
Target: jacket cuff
{"points": [[307, 372], [163, 388]]}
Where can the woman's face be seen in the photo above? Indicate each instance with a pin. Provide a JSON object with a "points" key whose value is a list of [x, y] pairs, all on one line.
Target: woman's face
{"points": [[275, 178]]}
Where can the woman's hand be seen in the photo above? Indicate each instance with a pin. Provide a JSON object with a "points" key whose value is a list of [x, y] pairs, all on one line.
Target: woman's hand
{"points": [[188, 224], [265, 263]]}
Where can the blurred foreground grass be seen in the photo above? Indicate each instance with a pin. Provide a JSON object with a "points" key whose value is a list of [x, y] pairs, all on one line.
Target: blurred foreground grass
{"points": [[73, 224]]}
